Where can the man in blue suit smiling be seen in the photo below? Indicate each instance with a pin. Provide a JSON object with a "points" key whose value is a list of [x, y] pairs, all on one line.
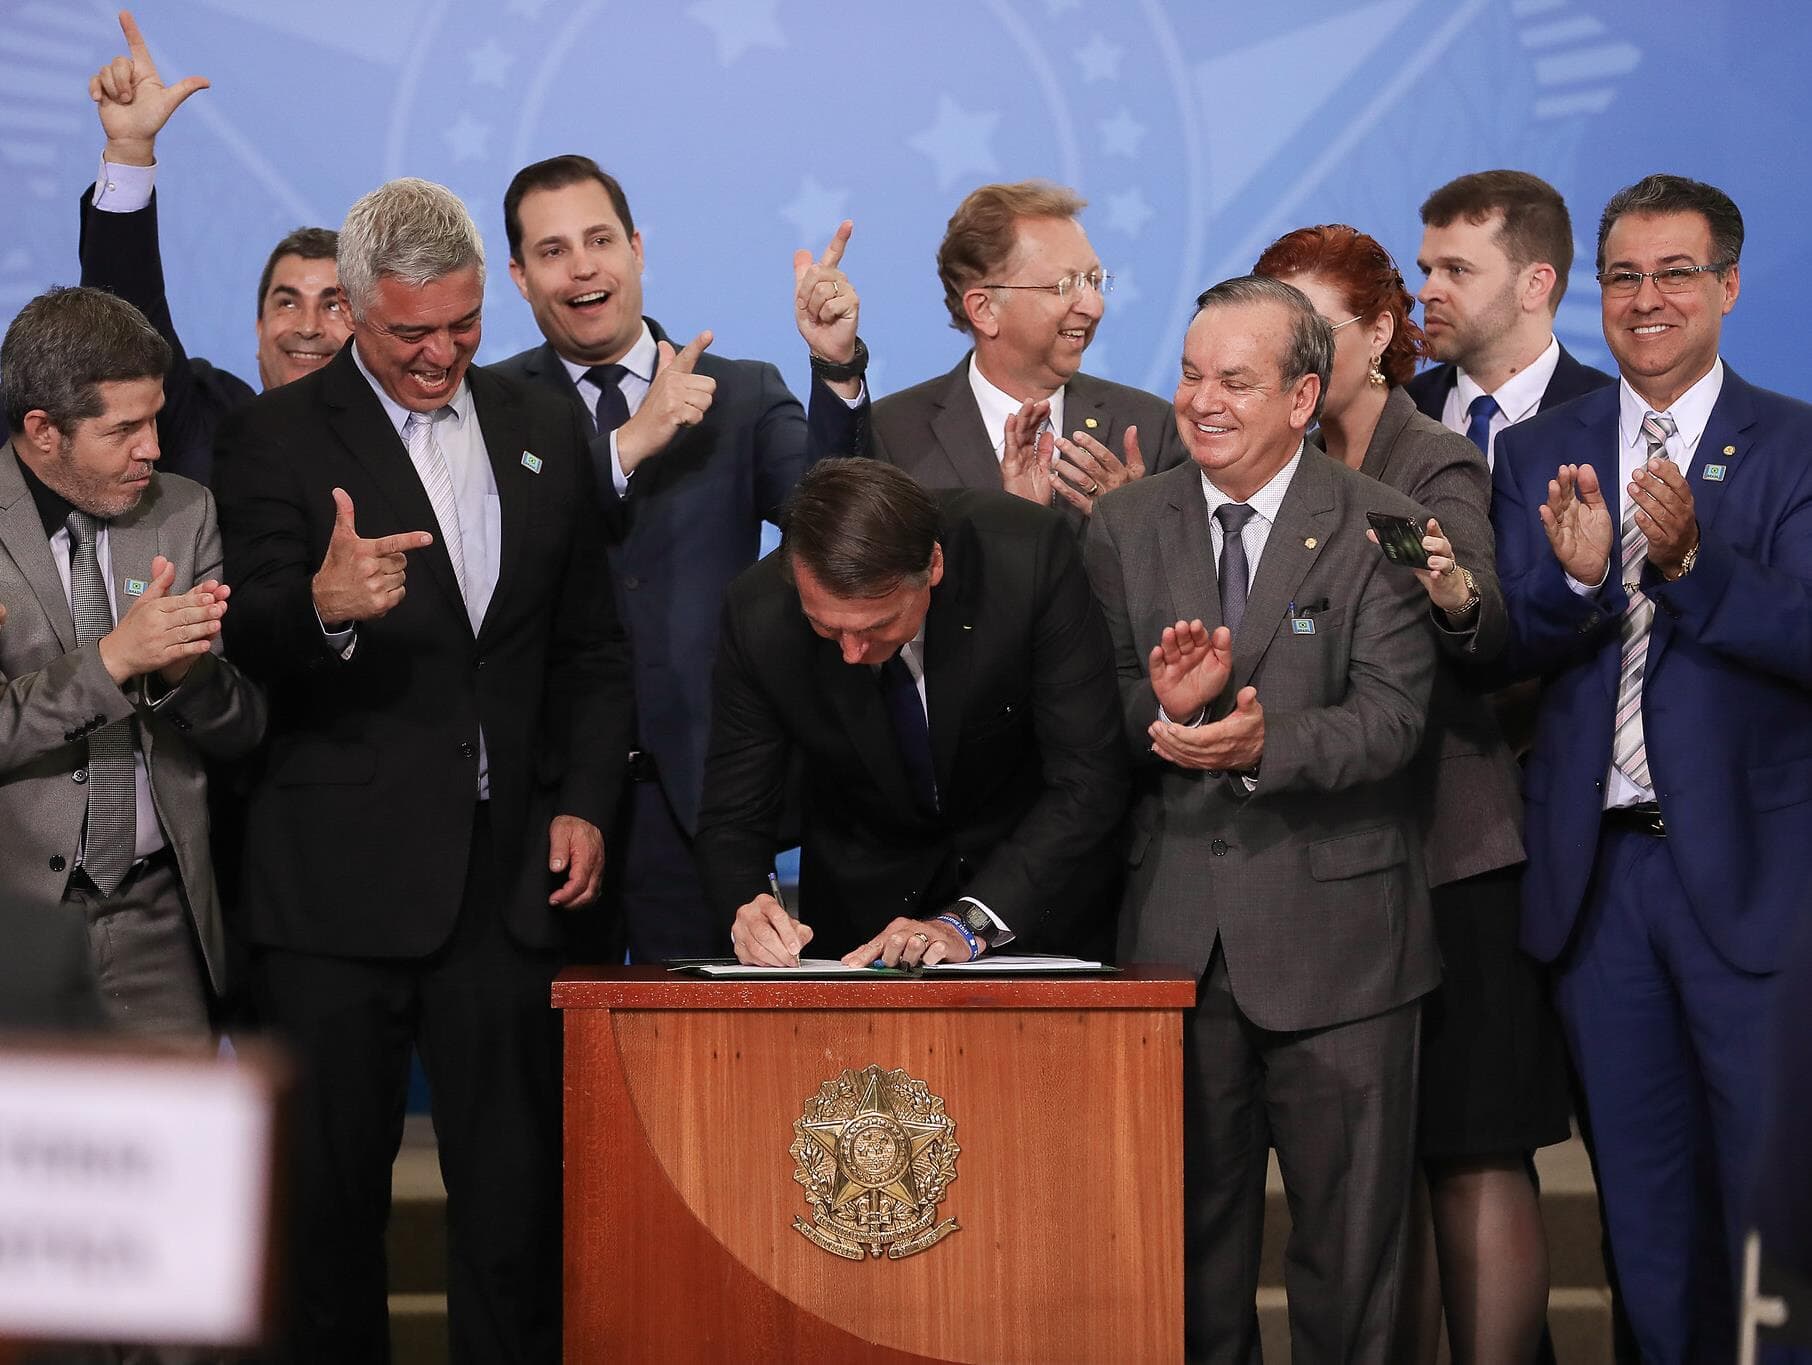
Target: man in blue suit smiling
{"points": [[1669, 610]]}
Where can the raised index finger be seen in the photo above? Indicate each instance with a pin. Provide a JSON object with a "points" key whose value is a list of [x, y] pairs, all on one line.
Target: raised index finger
{"points": [[838, 242], [401, 541], [135, 41]]}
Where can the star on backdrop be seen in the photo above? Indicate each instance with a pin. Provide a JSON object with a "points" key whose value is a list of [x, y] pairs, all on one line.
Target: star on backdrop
{"points": [[958, 142], [739, 25]]}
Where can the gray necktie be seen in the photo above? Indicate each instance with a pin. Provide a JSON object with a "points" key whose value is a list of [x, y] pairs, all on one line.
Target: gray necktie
{"points": [[1233, 517], [112, 831], [1629, 749]]}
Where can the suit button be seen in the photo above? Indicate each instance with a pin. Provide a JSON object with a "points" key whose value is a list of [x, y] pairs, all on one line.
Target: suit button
{"points": [[56, 862], [1218, 848], [481, 663], [79, 775], [632, 582], [466, 750]]}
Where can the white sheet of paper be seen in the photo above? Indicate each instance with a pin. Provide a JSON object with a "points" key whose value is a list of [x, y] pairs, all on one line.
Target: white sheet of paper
{"points": [[830, 966]]}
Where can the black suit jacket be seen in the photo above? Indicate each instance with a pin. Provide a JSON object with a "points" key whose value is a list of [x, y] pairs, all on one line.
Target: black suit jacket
{"points": [[360, 814], [1569, 381], [691, 523], [119, 253], [1025, 736]]}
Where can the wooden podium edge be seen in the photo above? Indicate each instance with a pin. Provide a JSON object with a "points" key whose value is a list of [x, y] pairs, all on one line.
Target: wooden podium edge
{"points": [[753, 1320]]}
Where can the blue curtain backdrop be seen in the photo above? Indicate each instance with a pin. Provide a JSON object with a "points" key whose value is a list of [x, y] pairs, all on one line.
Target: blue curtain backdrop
{"points": [[1199, 130]]}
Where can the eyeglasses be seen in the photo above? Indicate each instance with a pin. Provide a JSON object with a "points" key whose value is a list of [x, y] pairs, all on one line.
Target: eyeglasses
{"points": [[1336, 326], [1675, 279], [1098, 280]]}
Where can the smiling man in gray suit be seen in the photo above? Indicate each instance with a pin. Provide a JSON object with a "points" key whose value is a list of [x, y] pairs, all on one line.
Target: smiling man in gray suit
{"points": [[112, 687], [1275, 675], [1021, 279]]}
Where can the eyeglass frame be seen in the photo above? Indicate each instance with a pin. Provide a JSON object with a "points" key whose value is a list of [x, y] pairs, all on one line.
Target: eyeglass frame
{"points": [[1336, 326], [1681, 273], [1101, 281]]}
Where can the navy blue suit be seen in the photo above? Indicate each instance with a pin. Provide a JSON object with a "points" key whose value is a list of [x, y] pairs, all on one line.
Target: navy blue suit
{"points": [[1664, 948], [692, 522], [1569, 380]]}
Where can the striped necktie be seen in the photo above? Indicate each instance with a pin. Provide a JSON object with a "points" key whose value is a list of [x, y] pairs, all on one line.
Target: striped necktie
{"points": [[1628, 751], [111, 834], [430, 463]]}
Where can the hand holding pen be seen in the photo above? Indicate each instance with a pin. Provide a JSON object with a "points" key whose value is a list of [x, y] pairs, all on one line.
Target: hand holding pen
{"points": [[765, 934]]}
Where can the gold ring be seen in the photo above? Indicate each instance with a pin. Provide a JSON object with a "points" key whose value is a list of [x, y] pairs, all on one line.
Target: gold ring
{"points": [[1093, 488], [923, 936]]}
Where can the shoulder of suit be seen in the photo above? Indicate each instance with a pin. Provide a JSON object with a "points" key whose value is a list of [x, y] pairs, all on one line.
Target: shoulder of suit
{"points": [[1435, 380], [172, 495], [519, 366], [1083, 385], [1361, 492], [904, 401]]}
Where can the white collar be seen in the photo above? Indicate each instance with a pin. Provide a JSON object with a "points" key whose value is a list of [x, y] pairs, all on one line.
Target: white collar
{"points": [[997, 405], [460, 403], [1267, 501], [1519, 395], [1690, 411], [640, 360]]}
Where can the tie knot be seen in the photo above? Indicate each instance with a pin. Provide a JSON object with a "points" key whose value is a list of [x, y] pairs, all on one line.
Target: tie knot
{"points": [[1233, 516], [1657, 427], [607, 376], [1484, 406], [83, 529], [423, 421]]}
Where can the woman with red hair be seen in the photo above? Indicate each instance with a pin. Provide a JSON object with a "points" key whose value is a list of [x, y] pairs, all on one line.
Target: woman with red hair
{"points": [[1492, 1084]]}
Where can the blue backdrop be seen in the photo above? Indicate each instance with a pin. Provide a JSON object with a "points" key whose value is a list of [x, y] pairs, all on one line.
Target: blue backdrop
{"points": [[1198, 129]]}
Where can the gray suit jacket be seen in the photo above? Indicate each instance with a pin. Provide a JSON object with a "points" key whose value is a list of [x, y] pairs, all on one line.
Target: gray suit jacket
{"points": [[934, 430], [1312, 881], [53, 695], [1467, 791]]}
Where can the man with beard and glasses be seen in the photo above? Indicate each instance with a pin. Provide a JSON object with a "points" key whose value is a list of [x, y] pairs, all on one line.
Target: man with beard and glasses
{"points": [[112, 686], [1021, 279], [1496, 249], [301, 318]]}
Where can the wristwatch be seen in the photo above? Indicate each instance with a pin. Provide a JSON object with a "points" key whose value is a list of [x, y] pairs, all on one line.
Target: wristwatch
{"points": [[976, 920], [1687, 560], [833, 373], [1473, 596]]}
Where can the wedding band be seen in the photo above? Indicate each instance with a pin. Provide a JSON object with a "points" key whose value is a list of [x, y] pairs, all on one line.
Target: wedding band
{"points": [[1093, 488], [922, 936], [836, 288]]}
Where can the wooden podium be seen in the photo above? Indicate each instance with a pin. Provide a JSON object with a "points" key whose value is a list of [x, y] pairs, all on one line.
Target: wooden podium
{"points": [[703, 1116]]}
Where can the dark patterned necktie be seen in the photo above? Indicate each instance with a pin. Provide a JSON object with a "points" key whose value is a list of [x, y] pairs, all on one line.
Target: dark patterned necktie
{"points": [[911, 733], [1233, 517], [613, 408], [111, 834]]}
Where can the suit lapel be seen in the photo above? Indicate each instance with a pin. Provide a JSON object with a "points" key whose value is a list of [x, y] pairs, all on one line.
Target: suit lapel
{"points": [[505, 432], [1398, 408], [1085, 398], [855, 696], [363, 427], [132, 542], [1186, 549], [23, 539], [966, 445], [1304, 523]]}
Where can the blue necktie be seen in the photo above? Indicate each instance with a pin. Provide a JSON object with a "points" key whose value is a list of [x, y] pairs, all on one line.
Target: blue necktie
{"points": [[613, 408], [910, 731], [1233, 570], [1479, 413]]}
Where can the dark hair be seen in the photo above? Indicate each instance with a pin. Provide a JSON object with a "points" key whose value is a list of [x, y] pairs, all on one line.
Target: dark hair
{"points": [[1677, 194], [861, 526], [1536, 226], [981, 234], [1311, 348], [1368, 280], [556, 173], [64, 345], [310, 243]]}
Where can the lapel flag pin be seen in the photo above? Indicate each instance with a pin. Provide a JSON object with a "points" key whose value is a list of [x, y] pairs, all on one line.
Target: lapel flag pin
{"points": [[532, 463], [135, 587], [1090, 423], [1714, 473], [1309, 544]]}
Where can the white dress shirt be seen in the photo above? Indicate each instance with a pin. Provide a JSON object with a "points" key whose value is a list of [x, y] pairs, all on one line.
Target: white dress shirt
{"points": [[1690, 411], [640, 362], [997, 405], [1517, 397]]}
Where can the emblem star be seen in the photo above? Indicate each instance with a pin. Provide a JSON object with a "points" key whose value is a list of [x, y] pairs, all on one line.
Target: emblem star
{"points": [[877, 1103]]}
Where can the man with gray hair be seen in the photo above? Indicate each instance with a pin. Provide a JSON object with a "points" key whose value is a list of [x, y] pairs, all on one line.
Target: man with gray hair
{"points": [[112, 688], [1275, 672], [426, 596]]}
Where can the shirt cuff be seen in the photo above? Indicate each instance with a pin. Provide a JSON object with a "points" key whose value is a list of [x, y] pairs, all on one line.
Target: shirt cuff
{"points": [[1004, 935], [123, 189], [860, 398], [1189, 724], [1590, 589], [618, 478], [341, 642]]}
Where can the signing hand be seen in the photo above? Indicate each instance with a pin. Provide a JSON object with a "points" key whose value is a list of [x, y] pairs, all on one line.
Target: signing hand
{"points": [[826, 307], [1189, 667], [1234, 743], [1025, 459], [1579, 526], [361, 580], [764, 935], [134, 103], [911, 943], [1087, 469], [164, 634], [575, 847], [1664, 513], [677, 398]]}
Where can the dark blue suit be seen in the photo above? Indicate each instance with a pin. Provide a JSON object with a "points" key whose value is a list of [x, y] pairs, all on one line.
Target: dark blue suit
{"points": [[1569, 380], [692, 522], [1664, 949]]}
